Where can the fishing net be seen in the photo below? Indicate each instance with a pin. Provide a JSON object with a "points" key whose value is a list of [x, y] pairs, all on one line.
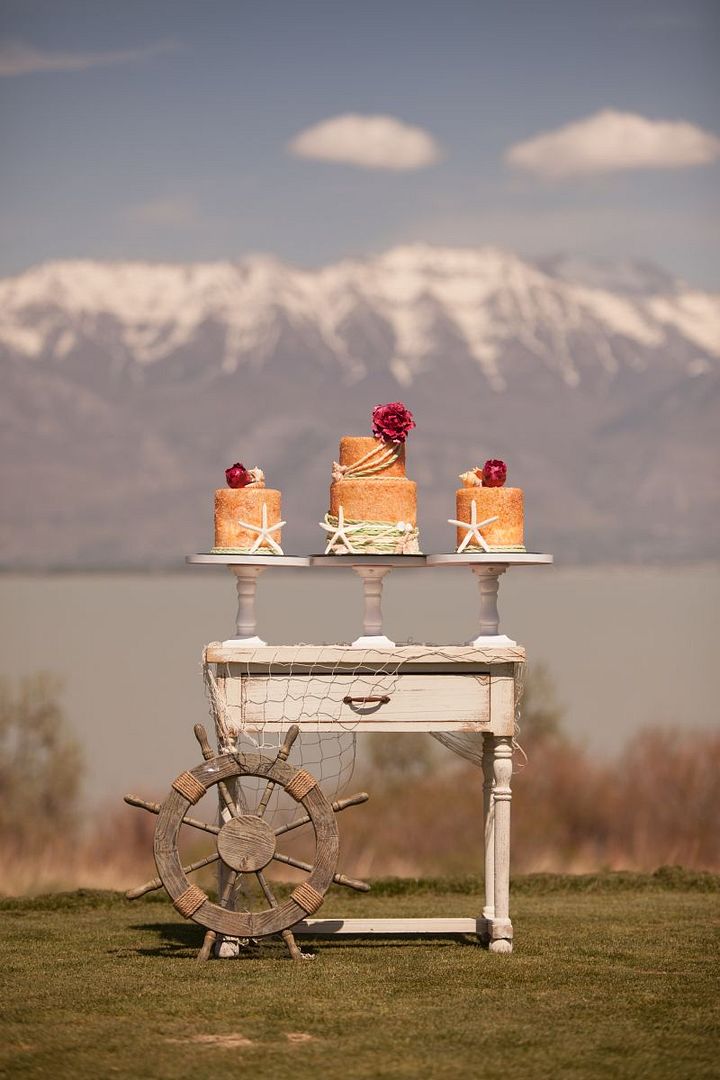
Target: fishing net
{"points": [[255, 700]]}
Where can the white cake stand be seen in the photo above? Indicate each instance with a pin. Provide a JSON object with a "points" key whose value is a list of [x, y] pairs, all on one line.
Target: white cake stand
{"points": [[487, 568], [247, 569], [372, 569]]}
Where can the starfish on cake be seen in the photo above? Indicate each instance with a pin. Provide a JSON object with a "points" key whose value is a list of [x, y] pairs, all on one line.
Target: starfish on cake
{"points": [[264, 532], [473, 528], [340, 533]]}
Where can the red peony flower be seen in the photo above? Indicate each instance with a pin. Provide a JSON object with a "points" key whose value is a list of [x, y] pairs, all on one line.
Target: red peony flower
{"points": [[237, 476], [494, 473], [392, 422]]}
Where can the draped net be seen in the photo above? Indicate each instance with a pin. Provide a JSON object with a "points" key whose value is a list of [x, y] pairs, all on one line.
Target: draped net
{"points": [[330, 756]]}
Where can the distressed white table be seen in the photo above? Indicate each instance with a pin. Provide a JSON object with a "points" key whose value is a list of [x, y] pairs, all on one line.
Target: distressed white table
{"points": [[470, 689]]}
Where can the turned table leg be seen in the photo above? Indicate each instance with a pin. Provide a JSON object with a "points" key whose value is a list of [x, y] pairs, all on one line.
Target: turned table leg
{"points": [[501, 927], [489, 827]]}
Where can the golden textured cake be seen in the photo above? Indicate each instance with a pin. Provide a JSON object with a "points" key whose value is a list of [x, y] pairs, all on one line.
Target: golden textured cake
{"points": [[492, 515], [373, 506], [247, 515]]}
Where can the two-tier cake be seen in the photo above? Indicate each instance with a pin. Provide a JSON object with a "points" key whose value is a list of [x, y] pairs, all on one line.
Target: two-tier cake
{"points": [[247, 514], [373, 506]]}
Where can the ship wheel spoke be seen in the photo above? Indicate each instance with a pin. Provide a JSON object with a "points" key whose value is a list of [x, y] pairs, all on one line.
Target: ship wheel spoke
{"points": [[282, 755], [287, 934], [339, 879], [338, 805], [155, 807], [156, 883], [208, 753], [211, 935]]}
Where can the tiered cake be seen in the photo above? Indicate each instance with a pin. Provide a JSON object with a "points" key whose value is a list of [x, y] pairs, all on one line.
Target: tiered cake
{"points": [[373, 506], [489, 515], [247, 514]]}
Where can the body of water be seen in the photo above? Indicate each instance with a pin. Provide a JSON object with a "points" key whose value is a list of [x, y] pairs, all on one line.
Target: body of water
{"points": [[626, 647]]}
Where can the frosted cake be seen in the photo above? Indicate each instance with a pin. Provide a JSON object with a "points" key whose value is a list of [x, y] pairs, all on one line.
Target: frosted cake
{"points": [[247, 514], [490, 516], [373, 506]]}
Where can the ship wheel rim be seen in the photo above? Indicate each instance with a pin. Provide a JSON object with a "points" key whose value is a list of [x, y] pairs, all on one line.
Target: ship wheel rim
{"points": [[304, 899]]}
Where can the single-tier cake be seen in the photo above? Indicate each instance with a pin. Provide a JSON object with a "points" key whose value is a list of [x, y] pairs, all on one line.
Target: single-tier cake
{"points": [[373, 506], [247, 514], [489, 515]]}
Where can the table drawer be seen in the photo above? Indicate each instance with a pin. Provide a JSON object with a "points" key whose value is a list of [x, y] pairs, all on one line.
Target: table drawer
{"points": [[403, 702]]}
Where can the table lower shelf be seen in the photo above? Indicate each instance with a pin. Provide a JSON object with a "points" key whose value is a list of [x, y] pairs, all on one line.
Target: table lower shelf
{"points": [[496, 934], [327, 927]]}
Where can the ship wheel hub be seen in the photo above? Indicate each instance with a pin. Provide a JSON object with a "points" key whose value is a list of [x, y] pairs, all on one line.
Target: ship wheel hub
{"points": [[246, 843]]}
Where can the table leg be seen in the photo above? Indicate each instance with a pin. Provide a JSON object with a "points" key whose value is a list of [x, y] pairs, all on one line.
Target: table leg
{"points": [[489, 826], [501, 927]]}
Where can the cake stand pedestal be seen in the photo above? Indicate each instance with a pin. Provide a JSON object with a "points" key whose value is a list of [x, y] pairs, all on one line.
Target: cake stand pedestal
{"points": [[246, 569], [372, 569], [487, 568]]}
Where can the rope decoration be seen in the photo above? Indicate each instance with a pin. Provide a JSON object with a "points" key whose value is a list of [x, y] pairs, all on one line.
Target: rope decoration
{"points": [[224, 729], [300, 784], [188, 902], [189, 787], [377, 459], [306, 897], [381, 537]]}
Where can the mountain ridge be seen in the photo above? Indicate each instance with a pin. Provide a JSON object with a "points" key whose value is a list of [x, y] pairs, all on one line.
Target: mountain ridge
{"points": [[130, 386]]}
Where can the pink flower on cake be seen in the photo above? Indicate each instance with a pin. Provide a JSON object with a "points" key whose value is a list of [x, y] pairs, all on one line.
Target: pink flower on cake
{"points": [[238, 476], [494, 473], [392, 422]]}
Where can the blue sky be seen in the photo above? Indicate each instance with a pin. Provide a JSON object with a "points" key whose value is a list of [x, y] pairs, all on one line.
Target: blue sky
{"points": [[160, 130]]}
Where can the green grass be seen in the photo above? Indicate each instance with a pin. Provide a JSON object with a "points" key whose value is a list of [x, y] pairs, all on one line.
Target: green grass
{"points": [[612, 976]]}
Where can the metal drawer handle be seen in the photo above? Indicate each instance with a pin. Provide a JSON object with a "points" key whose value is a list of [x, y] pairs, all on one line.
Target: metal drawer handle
{"points": [[365, 700]]}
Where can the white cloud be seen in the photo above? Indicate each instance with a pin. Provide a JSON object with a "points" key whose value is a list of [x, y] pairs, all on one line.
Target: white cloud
{"points": [[19, 58], [610, 141], [371, 142], [169, 212]]}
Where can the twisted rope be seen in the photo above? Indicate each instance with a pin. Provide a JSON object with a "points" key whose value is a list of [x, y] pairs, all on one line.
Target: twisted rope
{"points": [[374, 461], [382, 537]]}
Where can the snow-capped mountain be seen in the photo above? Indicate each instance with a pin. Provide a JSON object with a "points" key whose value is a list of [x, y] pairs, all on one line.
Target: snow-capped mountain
{"points": [[130, 386]]}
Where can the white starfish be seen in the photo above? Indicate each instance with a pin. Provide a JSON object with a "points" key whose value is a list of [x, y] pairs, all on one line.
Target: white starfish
{"points": [[473, 529], [264, 531], [340, 533]]}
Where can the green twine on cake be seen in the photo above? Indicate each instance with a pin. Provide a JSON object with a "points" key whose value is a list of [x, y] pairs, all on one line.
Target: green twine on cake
{"points": [[375, 537]]}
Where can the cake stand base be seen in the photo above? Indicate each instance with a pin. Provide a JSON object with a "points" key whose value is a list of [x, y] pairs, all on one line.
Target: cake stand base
{"points": [[492, 640], [246, 642], [378, 641]]}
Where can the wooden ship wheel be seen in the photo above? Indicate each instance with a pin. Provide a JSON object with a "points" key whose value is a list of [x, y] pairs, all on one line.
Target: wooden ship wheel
{"points": [[245, 844]]}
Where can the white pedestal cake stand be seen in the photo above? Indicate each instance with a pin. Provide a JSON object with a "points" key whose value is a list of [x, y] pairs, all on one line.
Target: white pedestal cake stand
{"points": [[487, 568], [372, 569], [247, 569]]}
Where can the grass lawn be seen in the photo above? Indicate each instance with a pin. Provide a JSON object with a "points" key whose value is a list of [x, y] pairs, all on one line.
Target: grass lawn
{"points": [[612, 976]]}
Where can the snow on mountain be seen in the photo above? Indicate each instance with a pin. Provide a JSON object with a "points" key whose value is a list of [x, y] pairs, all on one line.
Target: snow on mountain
{"points": [[486, 299], [129, 387]]}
